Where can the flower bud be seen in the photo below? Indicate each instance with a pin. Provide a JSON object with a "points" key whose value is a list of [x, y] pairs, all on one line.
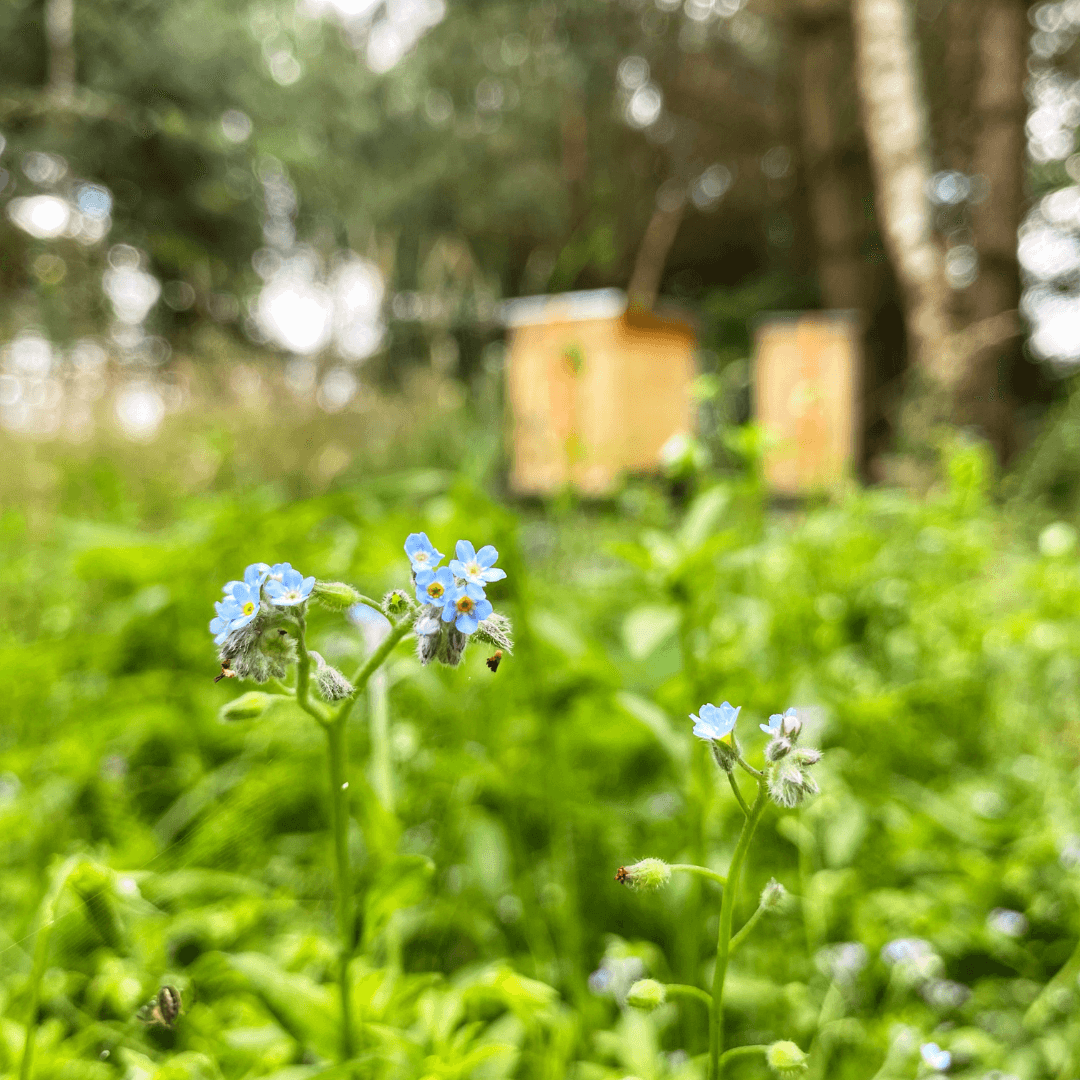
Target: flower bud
{"points": [[807, 757], [452, 646], [335, 595], [778, 748], [791, 725], [646, 994], [725, 753], [772, 896], [789, 785], [786, 1059], [396, 603], [247, 706], [646, 874], [332, 684]]}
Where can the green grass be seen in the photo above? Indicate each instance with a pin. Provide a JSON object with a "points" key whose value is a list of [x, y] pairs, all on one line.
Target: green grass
{"points": [[933, 649]]}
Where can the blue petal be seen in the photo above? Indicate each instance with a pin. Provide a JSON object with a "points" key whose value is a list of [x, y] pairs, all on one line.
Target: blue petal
{"points": [[487, 556], [445, 577], [416, 542], [465, 551], [494, 574], [307, 585], [467, 624], [474, 591], [483, 610], [449, 612]]}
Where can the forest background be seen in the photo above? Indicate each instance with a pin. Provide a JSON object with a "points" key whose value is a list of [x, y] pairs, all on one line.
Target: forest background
{"points": [[251, 264]]}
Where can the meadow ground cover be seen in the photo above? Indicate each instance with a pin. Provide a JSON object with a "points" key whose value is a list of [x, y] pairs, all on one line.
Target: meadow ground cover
{"points": [[155, 835]]}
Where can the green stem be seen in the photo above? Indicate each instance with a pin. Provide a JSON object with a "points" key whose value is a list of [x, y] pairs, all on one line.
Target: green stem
{"points": [[373, 663], [742, 1051], [46, 915], [747, 926], [738, 794], [676, 990], [701, 871], [723, 944], [339, 802], [382, 774], [371, 604], [1042, 1007], [303, 672]]}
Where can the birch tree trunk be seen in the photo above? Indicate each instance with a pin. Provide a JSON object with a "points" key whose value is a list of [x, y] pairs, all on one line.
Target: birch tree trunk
{"points": [[896, 130], [655, 247]]}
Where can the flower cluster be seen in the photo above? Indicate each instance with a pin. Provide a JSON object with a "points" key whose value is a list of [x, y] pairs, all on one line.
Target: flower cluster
{"points": [[453, 599], [248, 628], [788, 774]]}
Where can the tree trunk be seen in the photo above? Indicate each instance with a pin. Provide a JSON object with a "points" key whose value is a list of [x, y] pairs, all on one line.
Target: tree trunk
{"points": [[60, 30], [896, 131], [655, 247], [999, 113]]}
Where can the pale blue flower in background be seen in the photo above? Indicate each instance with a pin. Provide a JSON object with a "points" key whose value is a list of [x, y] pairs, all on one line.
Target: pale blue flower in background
{"points": [[715, 723], [775, 726]]}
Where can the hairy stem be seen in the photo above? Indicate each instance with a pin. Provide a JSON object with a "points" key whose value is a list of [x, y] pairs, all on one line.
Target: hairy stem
{"points": [[701, 871], [742, 1051], [339, 802], [303, 672], [723, 944]]}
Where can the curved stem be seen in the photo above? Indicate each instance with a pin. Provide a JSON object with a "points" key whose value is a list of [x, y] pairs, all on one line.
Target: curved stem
{"points": [[366, 600], [701, 871], [750, 769], [744, 931], [738, 794], [742, 1051], [372, 664], [303, 671], [723, 944], [676, 990], [339, 802]]}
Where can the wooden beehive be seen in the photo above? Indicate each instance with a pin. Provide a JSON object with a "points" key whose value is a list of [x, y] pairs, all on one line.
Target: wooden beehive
{"points": [[594, 390], [806, 393]]}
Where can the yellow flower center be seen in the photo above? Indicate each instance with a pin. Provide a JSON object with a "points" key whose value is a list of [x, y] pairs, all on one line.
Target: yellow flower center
{"points": [[435, 590], [465, 605], [249, 608], [474, 568]]}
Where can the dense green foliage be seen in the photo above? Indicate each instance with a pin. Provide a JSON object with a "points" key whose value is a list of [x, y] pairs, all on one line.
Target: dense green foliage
{"points": [[933, 653]]}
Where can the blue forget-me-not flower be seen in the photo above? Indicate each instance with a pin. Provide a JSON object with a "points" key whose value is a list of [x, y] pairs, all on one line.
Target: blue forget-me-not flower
{"points": [[292, 588], [433, 586], [715, 724], [466, 607], [780, 724], [476, 567], [421, 552]]}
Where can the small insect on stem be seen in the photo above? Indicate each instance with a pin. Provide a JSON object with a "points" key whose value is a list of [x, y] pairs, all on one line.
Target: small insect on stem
{"points": [[622, 875], [226, 673], [164, 1009], [494, 660]]}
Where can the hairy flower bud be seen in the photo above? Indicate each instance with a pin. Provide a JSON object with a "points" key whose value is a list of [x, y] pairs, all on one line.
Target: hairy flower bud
{"points": [[496, 630], [646, 874], [249, 706], [786, 1059], [335, 595], [772, 896], [789, 785], [452, 645], [777, 748], [332, 684], [396, 603], [791, 725], [725, 753], [807, 757], [646, 994]]}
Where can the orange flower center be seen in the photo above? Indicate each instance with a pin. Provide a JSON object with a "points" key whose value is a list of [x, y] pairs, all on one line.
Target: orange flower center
{"points": [[465, 605], [435, 590]]}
